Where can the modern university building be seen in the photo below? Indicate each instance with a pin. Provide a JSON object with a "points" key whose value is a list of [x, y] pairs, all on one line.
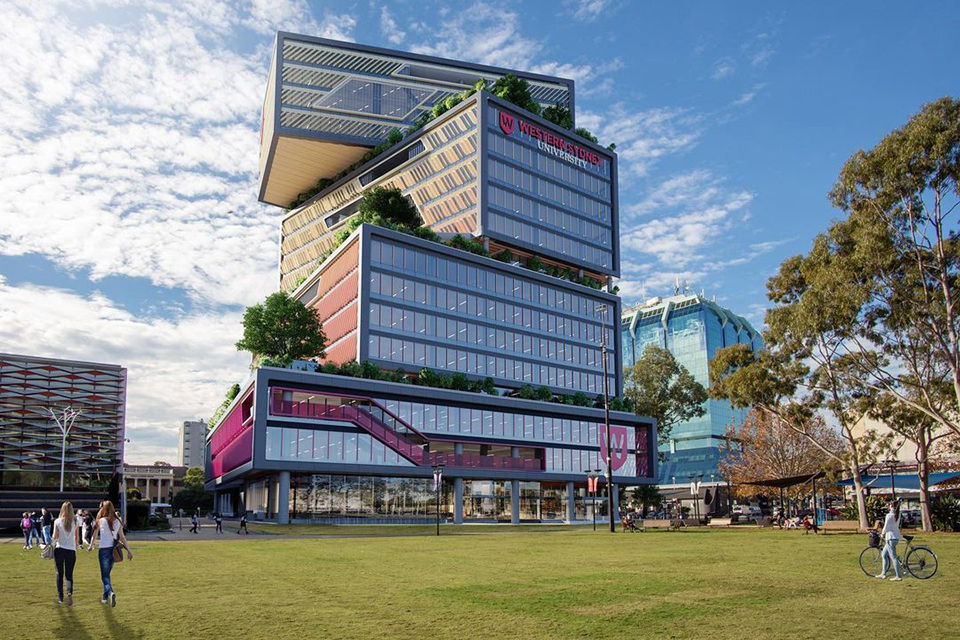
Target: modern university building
{"points": [[692, 328], [303, 445]]}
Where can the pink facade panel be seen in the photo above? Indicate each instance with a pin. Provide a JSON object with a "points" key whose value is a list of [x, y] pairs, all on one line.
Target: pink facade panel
{"points": [[232, 443]]}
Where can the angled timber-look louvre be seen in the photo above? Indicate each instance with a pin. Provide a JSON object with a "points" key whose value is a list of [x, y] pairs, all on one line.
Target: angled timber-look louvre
{"points": [[329, 102]]}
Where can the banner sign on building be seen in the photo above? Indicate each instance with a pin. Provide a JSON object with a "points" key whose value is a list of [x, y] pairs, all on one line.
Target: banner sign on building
{"points": [[549, 142]]}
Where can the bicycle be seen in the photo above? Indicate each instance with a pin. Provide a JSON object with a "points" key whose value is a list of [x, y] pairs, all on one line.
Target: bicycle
{"points": [[920, 561]]}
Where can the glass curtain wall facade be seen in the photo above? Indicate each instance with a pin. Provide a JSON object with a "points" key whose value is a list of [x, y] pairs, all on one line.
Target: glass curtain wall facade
{"points": [[307, 442], [692, 328], [429, 307], [511, 188]]}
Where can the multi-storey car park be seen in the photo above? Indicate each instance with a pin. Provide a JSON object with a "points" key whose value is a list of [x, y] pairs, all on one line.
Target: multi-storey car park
{"points": [[299, 444], [33, 453]]}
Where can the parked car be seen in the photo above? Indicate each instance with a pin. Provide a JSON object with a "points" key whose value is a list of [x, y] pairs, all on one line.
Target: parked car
{"points": [[747, 512]]}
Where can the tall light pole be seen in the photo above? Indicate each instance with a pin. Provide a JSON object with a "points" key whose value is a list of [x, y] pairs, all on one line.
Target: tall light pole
{"points": [[65, 423], [606, 417], [437, 483]]}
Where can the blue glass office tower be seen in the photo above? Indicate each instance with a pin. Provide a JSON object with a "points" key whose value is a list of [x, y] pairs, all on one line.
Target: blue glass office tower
{"points": [[692, 328]]}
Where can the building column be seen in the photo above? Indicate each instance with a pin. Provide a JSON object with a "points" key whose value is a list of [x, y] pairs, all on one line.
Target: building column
{"points": [[571, 504], [515, 492], [283, 498], [458, 501]]}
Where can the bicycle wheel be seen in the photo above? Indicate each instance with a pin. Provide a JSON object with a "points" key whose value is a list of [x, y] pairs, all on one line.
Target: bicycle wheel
{"points": [[922, 563], [870, 561]]}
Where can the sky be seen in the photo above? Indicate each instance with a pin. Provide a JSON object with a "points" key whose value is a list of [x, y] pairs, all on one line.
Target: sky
{"points": [[130, 230]]}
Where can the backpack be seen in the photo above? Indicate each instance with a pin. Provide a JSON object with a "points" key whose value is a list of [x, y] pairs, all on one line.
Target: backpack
{"points": [[26, 523]]}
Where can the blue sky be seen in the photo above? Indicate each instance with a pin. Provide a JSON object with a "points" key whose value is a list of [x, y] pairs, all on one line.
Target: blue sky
{"points": [[130, 230]]}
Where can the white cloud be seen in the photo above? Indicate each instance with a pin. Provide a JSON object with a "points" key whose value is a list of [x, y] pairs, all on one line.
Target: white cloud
{"points": [[133, 147], [130, 148], [693, 211], [389, 27], [587, 10], [490, 35], [643, 137], [176, 370], [722, 68], [748, 96]]}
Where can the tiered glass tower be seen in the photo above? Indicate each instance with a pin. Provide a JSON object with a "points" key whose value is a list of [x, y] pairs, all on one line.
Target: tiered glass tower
{"points": [[299, 444]]}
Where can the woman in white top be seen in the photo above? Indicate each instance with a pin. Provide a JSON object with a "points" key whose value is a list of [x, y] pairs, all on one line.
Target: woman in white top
{"points": [[66, 537], [891, 536], [111, 533]]}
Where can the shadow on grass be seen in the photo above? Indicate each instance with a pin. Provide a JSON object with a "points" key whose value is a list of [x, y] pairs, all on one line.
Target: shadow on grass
{"points": [[70, 627], [118, 630]]}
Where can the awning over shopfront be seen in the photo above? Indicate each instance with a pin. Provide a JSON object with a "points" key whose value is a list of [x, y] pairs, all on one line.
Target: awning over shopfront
{"points": [[905, 481]]}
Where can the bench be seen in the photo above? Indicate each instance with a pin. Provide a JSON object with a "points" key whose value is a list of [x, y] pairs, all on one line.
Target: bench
{"points": [[720, 522], [840, 525], [664, 524]]}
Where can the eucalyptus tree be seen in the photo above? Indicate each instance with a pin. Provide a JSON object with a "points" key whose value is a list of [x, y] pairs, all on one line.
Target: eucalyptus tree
{"points": [[660, 387], [899, 242]]}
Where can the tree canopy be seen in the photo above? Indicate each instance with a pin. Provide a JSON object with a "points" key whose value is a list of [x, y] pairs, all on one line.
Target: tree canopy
{"points": [[390, 204], [660, 387], [517, 91], [767, 447], [282, 330]]}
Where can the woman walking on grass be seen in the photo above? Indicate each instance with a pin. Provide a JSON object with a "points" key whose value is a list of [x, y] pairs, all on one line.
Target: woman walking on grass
{"points": [[112, 541], [891, 536], [66, 537]]}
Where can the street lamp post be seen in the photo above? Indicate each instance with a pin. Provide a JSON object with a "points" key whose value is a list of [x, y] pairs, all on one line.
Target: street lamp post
{"points": [[65, 423], [592, 476], [437, 481], [606, 417]]}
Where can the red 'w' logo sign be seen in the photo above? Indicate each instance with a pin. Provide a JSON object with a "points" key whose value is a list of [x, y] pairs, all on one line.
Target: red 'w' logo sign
{"points": [[619, 450], [506, 123]]}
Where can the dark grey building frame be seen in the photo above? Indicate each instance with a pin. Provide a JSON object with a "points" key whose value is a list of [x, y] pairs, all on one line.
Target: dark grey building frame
{"points": [[277, 64], [268, 376], [366, 232], [481, 99]]}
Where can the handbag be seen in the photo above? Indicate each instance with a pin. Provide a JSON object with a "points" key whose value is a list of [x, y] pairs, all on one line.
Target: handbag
{"points": [[117, 551], [47, 552]]}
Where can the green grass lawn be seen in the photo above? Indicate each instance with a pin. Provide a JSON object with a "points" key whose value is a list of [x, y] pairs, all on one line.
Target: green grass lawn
{"points": [[503, 584]]}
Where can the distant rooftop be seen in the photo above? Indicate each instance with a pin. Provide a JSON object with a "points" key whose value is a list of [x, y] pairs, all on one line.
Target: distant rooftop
{"points": [[663, 306]]}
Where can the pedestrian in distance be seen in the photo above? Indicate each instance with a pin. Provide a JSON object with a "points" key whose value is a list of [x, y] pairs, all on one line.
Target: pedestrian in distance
{"points": [[88, 528], [46, 525], [112, 544], [35, 530], [891, 536], [195, 523], [218, 518], [66, 537], [26, 525], [243, 524]]}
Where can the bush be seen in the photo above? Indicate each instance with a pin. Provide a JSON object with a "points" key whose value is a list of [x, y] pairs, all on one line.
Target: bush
{"points": [[390, 204], [504, 256], [138, 512], [945, 513], [467, 244], [535, 263], [876, 510]]}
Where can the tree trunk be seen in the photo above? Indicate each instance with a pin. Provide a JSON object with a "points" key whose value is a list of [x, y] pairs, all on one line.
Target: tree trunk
{"points": [[923, 473], [861, 501]]}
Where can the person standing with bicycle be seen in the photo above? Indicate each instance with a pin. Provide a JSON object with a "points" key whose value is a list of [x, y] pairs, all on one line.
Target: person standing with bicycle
{"points": [[891, 536]]}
